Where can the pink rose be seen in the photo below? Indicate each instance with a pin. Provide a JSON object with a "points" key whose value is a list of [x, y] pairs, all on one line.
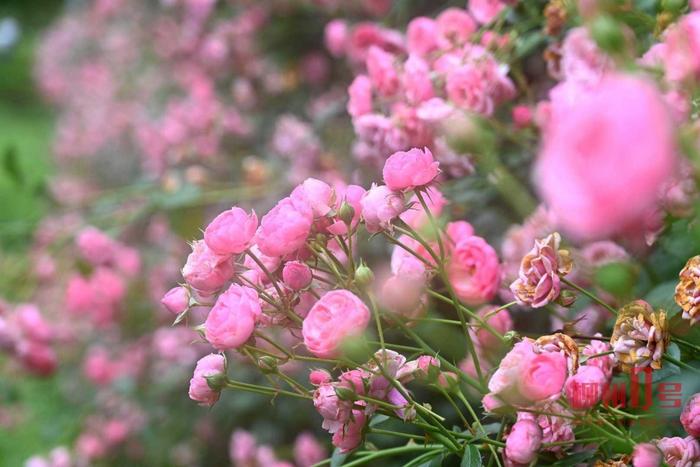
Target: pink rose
{"points": [[381, 71], [690, 417], [605, 362], [231, 232], [37, 357], [337, 315], [380, 206], [523, 442], [404, 295], [585, 388], [296, 275], [455, 26], [317, 194], [646, 455], [473, 270], [360, 96], [406, 170], [522, 116], [205, 270], [176, 300], [242, 448], [335, 412], [350, 437], [319, 376], [421, 36], [485, 11], [208, 366], [623, 119], [307, 450], [418, 87], [335, 37], [95, 246], [352, 196], [231, 321], [501, 322], [32, 324], [681, 55], [285, 228], [680, 452]]}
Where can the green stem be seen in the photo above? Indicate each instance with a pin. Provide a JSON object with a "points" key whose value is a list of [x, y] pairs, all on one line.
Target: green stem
{"points": [[589, 295]]}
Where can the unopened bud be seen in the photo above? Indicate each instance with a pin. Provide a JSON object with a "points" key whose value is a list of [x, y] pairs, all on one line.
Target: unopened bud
{"points": [[267, 364], [566, 298], [346, 212], [363, 275]]}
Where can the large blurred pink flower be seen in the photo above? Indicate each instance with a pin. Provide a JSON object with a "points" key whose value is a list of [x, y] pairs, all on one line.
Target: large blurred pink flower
{"points": [[338, 315], [485, 11], [231, 321], [421, 35], [603, 163], [231, 232]]}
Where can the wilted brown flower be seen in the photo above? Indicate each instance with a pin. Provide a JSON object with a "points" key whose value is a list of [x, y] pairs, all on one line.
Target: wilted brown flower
{"points": [[640, 336], [560, 343], [623, 461], [538, 281], [688, 290]]}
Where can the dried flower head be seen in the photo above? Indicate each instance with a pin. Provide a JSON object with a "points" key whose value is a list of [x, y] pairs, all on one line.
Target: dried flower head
{"points": [[688, 290], [640, 336], [539, 278], [560, 343]]}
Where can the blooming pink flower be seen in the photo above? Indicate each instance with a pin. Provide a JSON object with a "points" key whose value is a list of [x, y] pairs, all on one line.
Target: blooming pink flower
{"points": [[523, 442], [524, 377], [32, 324], [205, 270], [95, 246], [417, 85], [382, 72], [176, 300], [338, 315], [296, 275], [404, 295], [585, 388], [582, 61], [231, 232], [242, 448], [646, 455], [208, 366], [682, 48], [335, 412], [231, 321], [690, 417], [501, 322], [622, 116], [422, 36], [680, 452], [522, 116], [407, 170], [319, 376], [360, 96], [473, 270], [335, 36], [380, 205], [605, 362], [317, 194], [37, 357], [307, 450], [485, 11], [350, 436], [455, 26], [285, 228]]}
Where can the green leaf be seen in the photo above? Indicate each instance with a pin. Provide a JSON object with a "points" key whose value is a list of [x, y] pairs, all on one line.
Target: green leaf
{"points": [[338, 458], [574, 459], [378, 419], [661, 296], [471, 457], [11, 166]]}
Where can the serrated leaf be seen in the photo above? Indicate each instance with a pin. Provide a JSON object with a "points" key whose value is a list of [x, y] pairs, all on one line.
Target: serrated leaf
{"points": [[471, 457], [338, 458]]}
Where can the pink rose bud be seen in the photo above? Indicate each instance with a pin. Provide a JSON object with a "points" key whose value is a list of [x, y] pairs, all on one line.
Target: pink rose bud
{"points": [[176, 300], [473, 270], [406, 170], [307, 450], [380, 206], [285, 228], [338, 315], [335, 37], [543, 376], [522, 116], [523, 442], [586, 387], [296, 275], [205, 270], [690, 417], [318, 377], [231, 232], [208, 366], [646, 455], [231, 320]]}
